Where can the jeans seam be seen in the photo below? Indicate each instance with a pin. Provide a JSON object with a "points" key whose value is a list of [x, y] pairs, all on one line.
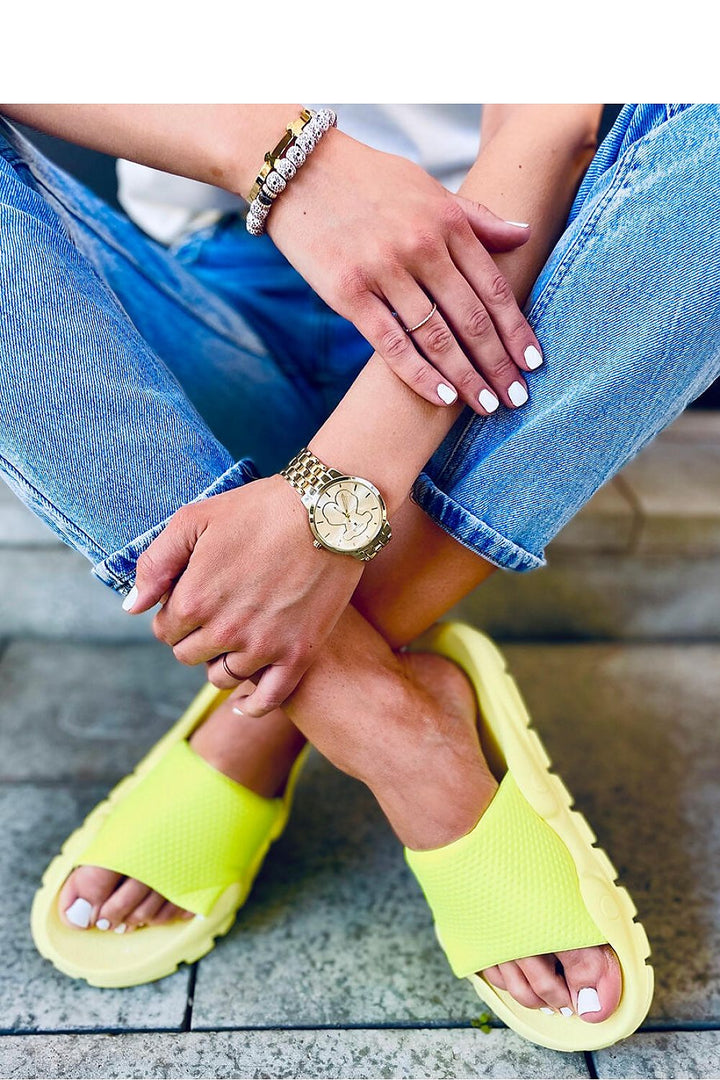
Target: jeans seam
{"points": [[109, 239], [52, 510], [560, 272]]}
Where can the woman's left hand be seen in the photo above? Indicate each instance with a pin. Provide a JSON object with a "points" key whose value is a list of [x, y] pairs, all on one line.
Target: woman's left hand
{"points": [[243, 579]]}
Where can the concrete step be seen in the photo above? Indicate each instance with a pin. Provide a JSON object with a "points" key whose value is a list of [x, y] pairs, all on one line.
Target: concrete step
{"points": [[642, 560]]}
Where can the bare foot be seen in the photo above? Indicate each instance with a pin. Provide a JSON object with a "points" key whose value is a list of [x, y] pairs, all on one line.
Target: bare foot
{"points": [[256, 753]]}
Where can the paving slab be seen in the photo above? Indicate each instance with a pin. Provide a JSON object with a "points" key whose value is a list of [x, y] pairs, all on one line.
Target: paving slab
{"points": [[34, 821], [339, 1054], [633, 731], [666, 1055], [336, 930], [86, 712]]}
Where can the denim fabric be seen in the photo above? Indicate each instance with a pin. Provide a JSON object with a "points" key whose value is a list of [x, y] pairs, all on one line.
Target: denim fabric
{"points": [[627, 310], [134, 380]]}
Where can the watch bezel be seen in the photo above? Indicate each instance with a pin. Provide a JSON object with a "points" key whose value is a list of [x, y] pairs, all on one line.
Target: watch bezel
{"points": [[338, 480]]}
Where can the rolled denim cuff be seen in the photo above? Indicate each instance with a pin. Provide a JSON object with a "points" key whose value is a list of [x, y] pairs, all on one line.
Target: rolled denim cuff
{"points": [[118, 569], [470, 531]]}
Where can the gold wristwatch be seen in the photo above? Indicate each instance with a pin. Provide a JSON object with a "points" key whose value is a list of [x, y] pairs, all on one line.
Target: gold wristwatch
{"points": [[347, 514]]}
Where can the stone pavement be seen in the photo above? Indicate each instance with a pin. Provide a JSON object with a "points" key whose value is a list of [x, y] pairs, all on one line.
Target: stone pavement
{"points": [[331, 969]]}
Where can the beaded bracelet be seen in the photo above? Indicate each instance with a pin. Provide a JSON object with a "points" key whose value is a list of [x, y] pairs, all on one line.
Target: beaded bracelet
{"points": [[282, 163]]}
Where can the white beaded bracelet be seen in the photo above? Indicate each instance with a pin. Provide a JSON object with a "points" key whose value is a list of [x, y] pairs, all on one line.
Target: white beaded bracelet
{"points": [[284, 166]]}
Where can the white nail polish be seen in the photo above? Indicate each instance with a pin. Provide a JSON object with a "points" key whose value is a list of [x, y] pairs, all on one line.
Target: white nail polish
{"points": [[121, 928], [517, 393], [533, 357], [518, 224], [238, 712], [588, 1001], [103, 924], [446, 393], [79, 913], [130, 598], [547, 1011], [488, 400], [565, 1011]]}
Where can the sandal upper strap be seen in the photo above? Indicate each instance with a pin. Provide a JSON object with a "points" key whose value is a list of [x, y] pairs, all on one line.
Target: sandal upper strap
{"points": [[506, 890], [185, 830]]}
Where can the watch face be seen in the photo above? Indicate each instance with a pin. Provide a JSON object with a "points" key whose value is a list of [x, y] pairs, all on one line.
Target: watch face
{"points": [[348, 515]]}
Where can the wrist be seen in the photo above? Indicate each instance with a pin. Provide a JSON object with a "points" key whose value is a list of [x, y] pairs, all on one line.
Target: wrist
{"points": [[238, 152]]}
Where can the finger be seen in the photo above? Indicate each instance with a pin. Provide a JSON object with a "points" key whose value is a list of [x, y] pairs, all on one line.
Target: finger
{"points": [[205, 643], [275, 686], [240, 667], [378, 325], [493, 289], [162, 563], [495, 233], [182, 613], [479, 362]]}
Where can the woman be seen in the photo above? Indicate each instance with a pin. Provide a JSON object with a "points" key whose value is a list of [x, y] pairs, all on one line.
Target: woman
{"points": [[625, 313]]}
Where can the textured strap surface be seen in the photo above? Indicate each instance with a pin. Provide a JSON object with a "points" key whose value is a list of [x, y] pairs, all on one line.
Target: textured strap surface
{"points": [[508, 889], [186, 831]]}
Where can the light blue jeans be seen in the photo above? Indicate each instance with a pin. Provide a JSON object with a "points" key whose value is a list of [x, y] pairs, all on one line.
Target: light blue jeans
{"points": [[134, 380]]}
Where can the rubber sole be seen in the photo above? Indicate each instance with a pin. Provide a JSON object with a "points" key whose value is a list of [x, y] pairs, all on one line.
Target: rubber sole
{"points": [[507, 724], [106, 959]]}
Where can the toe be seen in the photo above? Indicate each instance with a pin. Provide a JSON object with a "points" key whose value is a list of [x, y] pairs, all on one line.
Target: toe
{"points": [[83, 895], [146, 910], [516, 984], [167, 913], [594, 979], [126, 898], [546, 979]]}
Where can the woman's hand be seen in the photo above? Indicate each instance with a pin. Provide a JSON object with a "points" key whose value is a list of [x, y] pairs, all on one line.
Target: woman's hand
{"points": [[242, 578], [374, 234]]}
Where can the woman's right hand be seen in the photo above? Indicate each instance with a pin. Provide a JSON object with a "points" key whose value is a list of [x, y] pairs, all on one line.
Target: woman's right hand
{"points": [[374, 234]]}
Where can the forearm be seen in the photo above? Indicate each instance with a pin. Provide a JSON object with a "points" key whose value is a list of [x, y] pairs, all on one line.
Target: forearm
{"points": [[528, 170], [222, 145]]}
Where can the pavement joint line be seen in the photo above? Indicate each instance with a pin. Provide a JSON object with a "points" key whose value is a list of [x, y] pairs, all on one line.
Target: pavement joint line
{"points": [[187, 1019], [590, 1064], [399, 1025]]}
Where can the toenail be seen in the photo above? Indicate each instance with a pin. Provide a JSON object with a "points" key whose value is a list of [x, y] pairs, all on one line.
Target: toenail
{"points": [[565, 1011], [588, 1001], [547, 1011], [121, 928], [79, 913], [103, 924]]}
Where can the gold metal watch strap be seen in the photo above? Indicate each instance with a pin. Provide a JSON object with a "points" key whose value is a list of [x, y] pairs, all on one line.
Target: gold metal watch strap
{"points": [[307, 474], [381, 540]]}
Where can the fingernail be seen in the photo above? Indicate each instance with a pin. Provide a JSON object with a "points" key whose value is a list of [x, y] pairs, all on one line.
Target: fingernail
{"points": [[238, 712], [565, 1011], [130, 598], [121, 928], [518, 224], [533, 357], [547, 1011], [79, 913], [488, 400], [446, 393], [103, 924], [517, 393], [588, 1001]]}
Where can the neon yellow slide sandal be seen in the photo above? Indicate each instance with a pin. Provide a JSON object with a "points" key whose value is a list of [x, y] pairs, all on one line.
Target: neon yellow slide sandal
{"points": [[527, 879], [185, 830]]}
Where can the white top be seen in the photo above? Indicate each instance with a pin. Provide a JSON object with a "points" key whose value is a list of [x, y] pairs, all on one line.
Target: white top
{"points": [[443, 139]]}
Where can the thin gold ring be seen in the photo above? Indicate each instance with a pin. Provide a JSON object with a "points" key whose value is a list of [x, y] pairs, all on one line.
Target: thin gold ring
{"points": [[229, 672], [428, 317]]}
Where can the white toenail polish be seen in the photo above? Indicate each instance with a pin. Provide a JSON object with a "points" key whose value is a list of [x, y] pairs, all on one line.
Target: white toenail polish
{"points": [[517, 393], [79, 913], [565, 1011], [121, 928], [588, 1001], [238, 712], [547, 1011], [103, 924], [533, 357]]}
